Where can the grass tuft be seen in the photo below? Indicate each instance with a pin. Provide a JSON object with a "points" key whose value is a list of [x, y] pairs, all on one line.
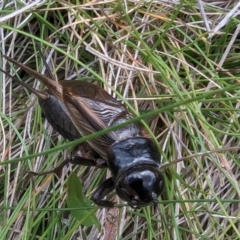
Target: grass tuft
{"points": [[175, 64]]}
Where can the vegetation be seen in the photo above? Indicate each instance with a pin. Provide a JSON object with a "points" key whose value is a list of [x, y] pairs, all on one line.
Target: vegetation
{"points": [[176, 65]]}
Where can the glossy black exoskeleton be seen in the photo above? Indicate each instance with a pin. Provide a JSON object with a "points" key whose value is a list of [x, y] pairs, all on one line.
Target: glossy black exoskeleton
{"points": [[133, 160]]}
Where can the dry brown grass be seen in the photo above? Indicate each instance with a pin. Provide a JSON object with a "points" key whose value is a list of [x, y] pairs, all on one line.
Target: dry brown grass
{"points": [[179, 58]]}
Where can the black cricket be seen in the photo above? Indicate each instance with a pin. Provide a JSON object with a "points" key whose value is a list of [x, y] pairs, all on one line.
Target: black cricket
{"points": [[78, 108]]}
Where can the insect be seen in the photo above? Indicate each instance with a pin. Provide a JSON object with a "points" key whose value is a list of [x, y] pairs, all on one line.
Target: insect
{"points": [[133, 159]]}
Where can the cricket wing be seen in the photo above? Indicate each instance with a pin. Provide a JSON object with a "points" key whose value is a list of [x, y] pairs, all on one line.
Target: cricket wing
{"points": [[92, 109]]}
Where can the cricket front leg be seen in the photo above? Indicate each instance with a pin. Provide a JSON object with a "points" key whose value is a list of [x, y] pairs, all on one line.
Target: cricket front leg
{"points": [[102, 191]]}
